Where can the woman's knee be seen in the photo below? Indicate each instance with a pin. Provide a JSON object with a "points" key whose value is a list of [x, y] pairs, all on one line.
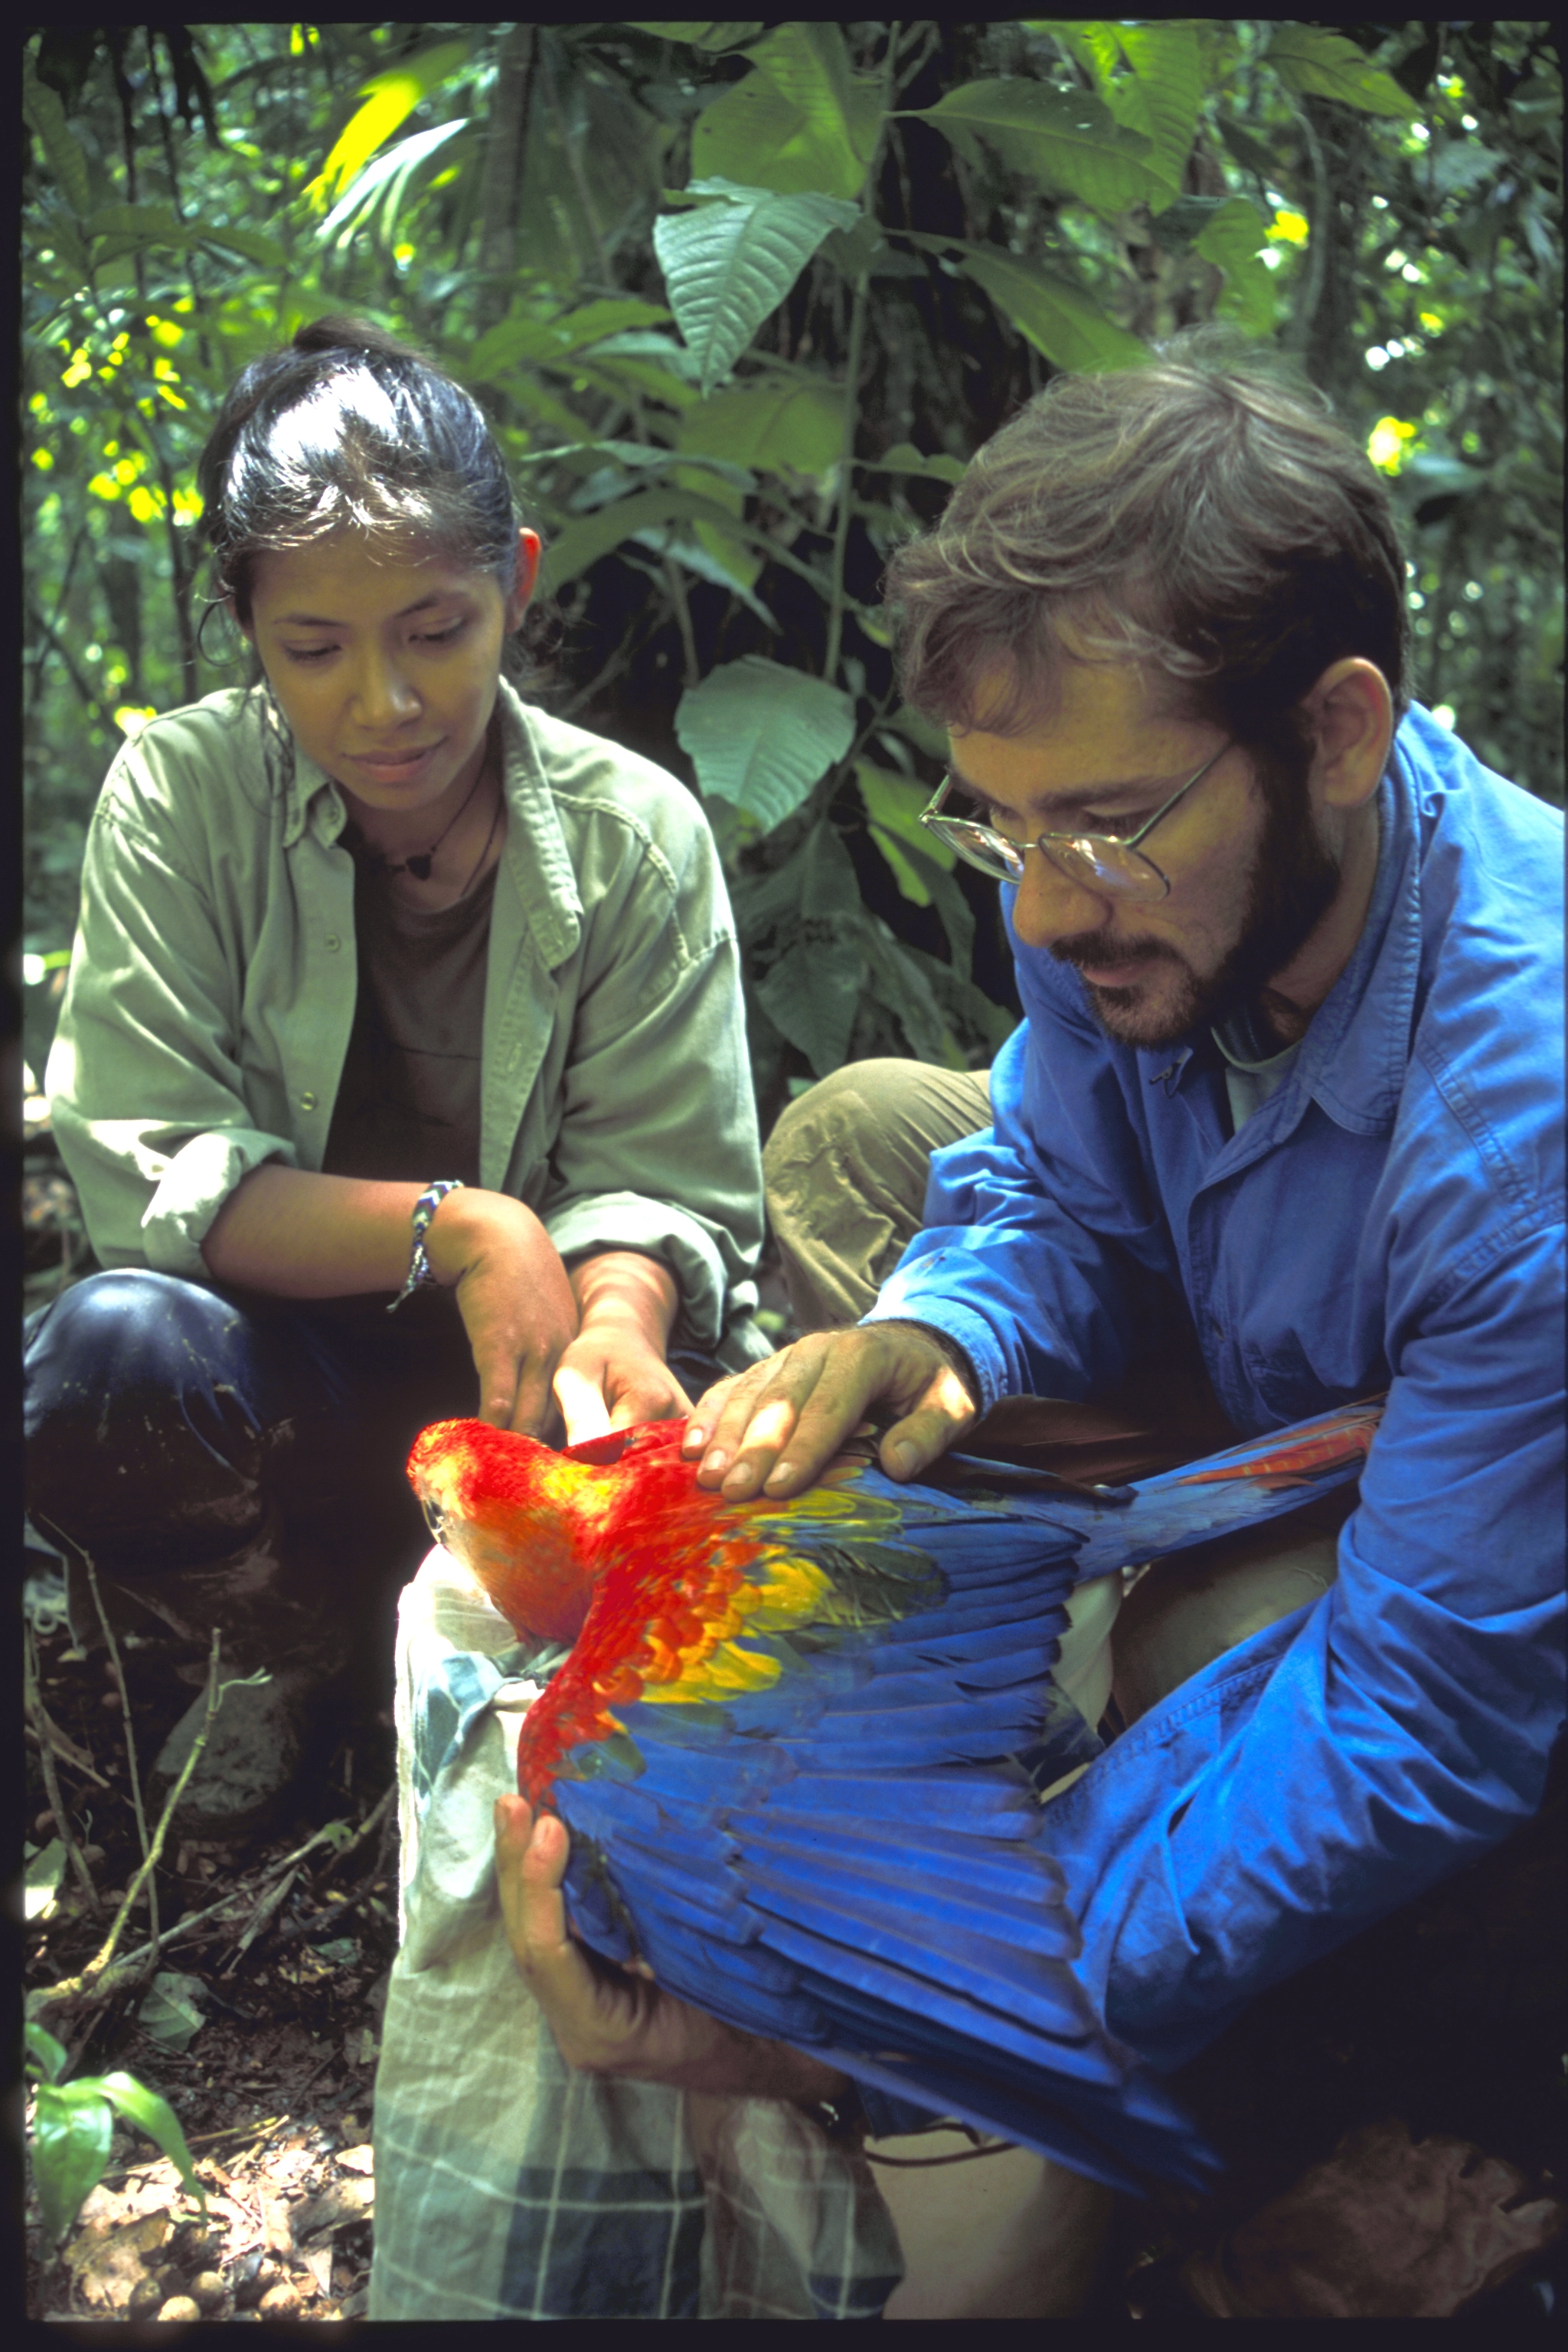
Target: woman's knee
{"points": [[129, 1328]]}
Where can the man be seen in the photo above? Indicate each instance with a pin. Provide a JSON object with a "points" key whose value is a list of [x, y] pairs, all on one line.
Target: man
{"points": [[1285, 1110]]}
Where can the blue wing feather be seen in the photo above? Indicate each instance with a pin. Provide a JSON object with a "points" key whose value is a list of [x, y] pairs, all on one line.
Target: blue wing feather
{"points": [[847, 1860]]}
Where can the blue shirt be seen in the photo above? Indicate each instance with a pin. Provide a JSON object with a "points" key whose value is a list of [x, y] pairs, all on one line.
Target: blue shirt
{"points": [[1391, 1218]]}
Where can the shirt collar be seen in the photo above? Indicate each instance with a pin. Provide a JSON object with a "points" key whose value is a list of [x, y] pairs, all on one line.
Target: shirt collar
{"points": [[1355, 1055], [1353, 1059]]}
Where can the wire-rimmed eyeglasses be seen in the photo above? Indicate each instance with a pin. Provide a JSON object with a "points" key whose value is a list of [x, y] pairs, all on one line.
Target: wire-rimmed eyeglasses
{"points": [[1097, 861]]}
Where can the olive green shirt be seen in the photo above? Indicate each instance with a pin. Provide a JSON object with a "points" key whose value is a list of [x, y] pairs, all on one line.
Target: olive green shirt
{"points": [[211, 996]]}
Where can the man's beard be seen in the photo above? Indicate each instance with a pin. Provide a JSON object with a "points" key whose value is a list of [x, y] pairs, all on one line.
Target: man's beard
{"points": [[1291, 887]]}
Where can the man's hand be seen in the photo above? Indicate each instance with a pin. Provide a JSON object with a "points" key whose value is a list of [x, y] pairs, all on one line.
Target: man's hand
{"points": [[774, 1426], [614, 2022], [515, 1300]]}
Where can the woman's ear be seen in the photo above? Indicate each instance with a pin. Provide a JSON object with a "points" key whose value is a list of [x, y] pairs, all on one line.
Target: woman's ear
{"points": [[1351, 712]]}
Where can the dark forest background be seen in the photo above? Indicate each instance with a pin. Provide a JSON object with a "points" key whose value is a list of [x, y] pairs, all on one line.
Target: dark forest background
{"points": [[741, 302]]}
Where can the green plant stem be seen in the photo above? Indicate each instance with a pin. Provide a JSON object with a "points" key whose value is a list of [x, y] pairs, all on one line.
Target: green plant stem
{"points": [[95, 1981], [130, 1764], [41, 1725], [846, 481], [835, 603]]}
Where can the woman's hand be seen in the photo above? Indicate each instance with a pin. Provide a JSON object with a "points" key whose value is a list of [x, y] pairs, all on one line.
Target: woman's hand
{"points": [[612, 2020], [775, 1425], [613, 1374], [515, 1300]]}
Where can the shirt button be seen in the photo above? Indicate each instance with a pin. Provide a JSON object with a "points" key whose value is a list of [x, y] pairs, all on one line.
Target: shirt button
{"points": [[307, 1102], [334, 942]]}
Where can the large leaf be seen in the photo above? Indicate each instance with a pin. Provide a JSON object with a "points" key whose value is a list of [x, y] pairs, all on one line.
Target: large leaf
{"points": [[770, 425], [761, 735], [1064, 138], [711, 38], [390, 98], [1318, 64], [731, 261], [799, 122], [903, 457], [526, 336], [585, 542], [156, 2118], [1150, 78], [811, 991], [385, 181], [72, 2132], [904, 989], [1054, 315], [60, 144], [1234, 239]]}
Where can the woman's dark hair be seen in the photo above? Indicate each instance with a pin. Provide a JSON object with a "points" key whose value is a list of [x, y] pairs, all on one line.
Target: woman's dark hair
{"points": [[347, 427], [1201, 514]]}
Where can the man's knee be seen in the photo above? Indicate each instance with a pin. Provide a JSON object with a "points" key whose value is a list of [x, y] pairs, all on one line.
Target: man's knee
{"points": [[1188, 1610], [845, 1169]]}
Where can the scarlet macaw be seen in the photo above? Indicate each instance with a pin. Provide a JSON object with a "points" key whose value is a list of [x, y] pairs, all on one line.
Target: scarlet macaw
{"points": [[797, 1743]]}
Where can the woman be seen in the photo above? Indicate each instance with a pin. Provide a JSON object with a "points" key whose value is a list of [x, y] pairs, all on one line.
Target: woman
{"points": [[389, 988]]}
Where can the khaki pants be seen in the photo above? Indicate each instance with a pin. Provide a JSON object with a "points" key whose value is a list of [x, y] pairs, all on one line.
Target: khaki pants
{"points": [[1007, 2235]]}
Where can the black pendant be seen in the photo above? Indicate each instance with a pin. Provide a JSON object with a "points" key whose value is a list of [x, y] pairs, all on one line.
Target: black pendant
{"points": [[419, 866]]}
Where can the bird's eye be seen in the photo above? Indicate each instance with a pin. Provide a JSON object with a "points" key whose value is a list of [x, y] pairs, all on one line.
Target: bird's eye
{"points": [[435, 1516]]}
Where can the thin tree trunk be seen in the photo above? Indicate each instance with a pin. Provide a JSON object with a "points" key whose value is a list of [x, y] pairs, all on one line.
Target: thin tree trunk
{"points": [[500, 187]]}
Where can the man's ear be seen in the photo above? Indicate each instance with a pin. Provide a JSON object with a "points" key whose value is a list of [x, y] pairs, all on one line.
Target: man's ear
{"points": [[1351, 713]]}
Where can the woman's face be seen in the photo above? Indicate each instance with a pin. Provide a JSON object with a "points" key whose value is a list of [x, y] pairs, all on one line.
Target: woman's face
{"points": [[385, 663]]}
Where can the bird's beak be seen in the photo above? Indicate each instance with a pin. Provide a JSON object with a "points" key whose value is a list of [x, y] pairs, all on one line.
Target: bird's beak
{"points": [[435, 1516]]}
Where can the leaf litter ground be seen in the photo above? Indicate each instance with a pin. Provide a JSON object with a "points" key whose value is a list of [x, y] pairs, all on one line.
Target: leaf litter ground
{"points": [[274, 2086]]}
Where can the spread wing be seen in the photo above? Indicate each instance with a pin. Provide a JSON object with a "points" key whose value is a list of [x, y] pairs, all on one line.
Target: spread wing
{"points": [[796, 1792]]}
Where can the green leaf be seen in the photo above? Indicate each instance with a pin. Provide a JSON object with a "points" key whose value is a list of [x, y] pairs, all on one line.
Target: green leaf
{"points": [[1150, 78], [1318, 64], [170, 2013], [248, 241], [135, 220], [47, 118], [1054, 315], [1251, 153], [390, 99], [761, 735], [587, 541], [733, 261], [1234, 241], [709, 38], [921, 865], [811, 991], [156, 2118], [525, 335], [771, 424], [1065, 137], [72, 2133], [900, 986], [46, 2055], [389, 175], [799, 122], [44, 1875], [903, 457]]}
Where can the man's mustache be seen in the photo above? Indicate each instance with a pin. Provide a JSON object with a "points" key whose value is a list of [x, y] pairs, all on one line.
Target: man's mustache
{"points": [[1094, 949]]}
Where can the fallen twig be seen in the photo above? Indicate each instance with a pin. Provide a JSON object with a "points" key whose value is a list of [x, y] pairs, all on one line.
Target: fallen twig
{"points": [[98, 1979], [43, 1727], [144, 1875], [258, 1918]]}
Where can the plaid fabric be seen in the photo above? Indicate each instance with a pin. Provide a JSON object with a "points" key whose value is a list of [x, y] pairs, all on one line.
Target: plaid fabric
{"points": [[509, 2186]]}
